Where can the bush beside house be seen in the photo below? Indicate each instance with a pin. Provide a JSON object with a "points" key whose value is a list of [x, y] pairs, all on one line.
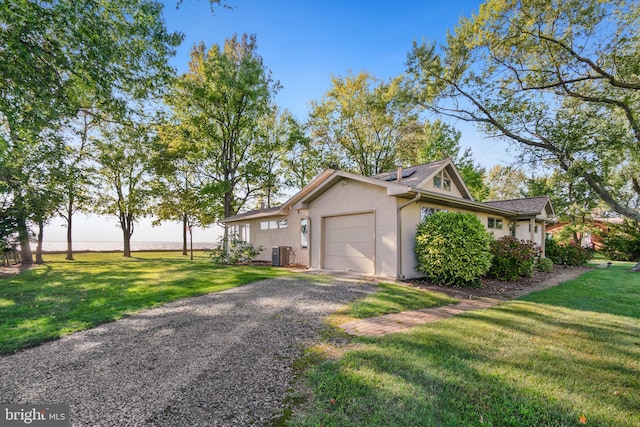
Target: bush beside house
{"points": [[571, 254], [513, 258], [452, 248]]}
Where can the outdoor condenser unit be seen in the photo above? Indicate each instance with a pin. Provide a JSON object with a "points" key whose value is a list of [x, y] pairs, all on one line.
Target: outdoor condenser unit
{"points": [[280, 256]]}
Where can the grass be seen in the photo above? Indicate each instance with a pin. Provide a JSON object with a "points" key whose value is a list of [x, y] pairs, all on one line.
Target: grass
{"points": [[62, 297], [390, 299], [566, 356]]}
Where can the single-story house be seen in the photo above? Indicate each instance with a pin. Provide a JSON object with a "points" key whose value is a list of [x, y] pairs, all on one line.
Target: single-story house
{"points": [[367, 224]]}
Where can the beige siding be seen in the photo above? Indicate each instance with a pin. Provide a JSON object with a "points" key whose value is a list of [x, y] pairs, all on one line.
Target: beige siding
{"points": [[411, 218], [289, 236], [349, 242], [349, 197]]}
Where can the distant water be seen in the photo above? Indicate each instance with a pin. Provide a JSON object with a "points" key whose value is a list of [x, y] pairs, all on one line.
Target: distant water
{"points": [[117, 246]]}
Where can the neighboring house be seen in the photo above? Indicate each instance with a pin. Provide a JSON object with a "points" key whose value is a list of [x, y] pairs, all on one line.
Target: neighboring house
{"points": [[345, 221], [591, 233]]}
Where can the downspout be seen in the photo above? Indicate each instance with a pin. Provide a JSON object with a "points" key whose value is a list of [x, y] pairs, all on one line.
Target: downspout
{"points": [[399, 234]]}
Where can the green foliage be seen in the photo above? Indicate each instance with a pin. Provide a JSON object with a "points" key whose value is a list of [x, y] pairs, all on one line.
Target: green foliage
{"points": [[545, 265], [362, 122], [557, 80], [238, 252], [453, 248], [571, 254], [219, 105], [622, 243], [391, 298], [513, 258]]}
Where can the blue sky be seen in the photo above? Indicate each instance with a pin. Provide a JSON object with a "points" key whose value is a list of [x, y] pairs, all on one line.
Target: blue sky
{"points": [[304, 43]]}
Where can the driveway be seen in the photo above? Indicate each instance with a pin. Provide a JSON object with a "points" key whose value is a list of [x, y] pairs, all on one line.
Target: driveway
{"points": [[216, 360]]}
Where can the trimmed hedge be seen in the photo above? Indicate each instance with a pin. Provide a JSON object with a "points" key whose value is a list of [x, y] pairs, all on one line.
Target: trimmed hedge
{"points": [[453, 248]]}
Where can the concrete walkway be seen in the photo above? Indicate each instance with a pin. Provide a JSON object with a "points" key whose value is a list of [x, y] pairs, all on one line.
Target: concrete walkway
{"points": [[398, 322]]}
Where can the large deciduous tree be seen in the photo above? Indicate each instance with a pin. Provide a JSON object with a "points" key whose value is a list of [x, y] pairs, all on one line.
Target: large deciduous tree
{"points": [[218, 105], [557, 79], [123, 156], [361, 123], [55, 54]]}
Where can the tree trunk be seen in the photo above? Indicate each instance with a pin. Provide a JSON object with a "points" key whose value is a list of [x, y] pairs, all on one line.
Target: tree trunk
{"points": [[39, 259], [25, 244], [185, 224], [69, 223], [127, 243], [191, 240]]}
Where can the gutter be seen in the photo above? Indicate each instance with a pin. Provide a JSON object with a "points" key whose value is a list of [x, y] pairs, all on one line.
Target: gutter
{"points": [[399, 234]]}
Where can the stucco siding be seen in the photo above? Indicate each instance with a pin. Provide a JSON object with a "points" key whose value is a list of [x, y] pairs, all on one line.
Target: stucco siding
{"points": [[267, 238], [349, 197]]}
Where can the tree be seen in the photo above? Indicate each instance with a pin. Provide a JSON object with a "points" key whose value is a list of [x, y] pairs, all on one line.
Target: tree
{"points": [[505, 183], [178, 169], [437, 140], [303, 160], [362, 122], [218, 104], [123, 157], [558, 79], [55, 55], [75, 172]]}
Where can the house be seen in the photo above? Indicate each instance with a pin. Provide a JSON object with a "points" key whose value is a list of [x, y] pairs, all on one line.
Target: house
{"points": [[345, 221], [590, 231]]}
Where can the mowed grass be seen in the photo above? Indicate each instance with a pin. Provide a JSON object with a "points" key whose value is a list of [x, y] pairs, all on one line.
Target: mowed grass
{"points": [[567, 356], [391, 298], [62, 297]]}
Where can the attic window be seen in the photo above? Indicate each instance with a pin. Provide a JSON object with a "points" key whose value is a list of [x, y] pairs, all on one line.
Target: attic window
{"points": [[442, 181]]}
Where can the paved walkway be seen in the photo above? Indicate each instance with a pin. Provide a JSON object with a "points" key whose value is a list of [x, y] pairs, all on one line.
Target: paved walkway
{"points": [[398, 322]]}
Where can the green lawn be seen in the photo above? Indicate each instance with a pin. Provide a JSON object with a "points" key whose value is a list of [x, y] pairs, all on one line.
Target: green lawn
{"points": [[390, 299], [567, 356], [62, 297]]}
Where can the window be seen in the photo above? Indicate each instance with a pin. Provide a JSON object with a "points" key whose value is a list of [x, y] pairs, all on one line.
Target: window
{"points": [[426, 211], [304, 232], [535, 228], [495, 223], [274, 225], [240, 232], [442, 180]]}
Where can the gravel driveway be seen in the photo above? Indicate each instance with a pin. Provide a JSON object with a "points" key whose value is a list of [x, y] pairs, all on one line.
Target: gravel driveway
{"points": [[219, 359]]}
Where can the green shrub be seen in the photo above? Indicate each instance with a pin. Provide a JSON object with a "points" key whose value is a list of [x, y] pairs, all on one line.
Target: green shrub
{"points": [[453, 248], [513, 258], [239, 252], [545, 265], [622, 243], [570, 254]]}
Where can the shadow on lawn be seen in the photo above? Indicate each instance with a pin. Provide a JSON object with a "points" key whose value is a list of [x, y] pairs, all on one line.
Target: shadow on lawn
{"points": [[504, 366]]}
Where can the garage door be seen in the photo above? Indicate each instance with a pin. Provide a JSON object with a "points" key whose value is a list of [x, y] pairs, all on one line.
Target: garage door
{"points": [[349, 243]]}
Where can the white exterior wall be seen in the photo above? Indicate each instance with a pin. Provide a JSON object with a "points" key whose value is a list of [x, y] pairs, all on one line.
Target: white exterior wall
{"points": [[523, 233], [352, 197]]}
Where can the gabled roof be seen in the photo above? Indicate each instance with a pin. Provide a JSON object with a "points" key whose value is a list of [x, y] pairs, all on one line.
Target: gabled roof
{"points": [[530, 205], [417, 177], [413, 182]]}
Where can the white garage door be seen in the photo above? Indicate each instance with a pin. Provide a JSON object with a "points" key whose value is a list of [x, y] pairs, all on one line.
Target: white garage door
{"points": [[349, 243]]}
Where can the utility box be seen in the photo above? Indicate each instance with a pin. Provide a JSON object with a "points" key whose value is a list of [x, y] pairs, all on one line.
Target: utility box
{"points": [[280, 256]]}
